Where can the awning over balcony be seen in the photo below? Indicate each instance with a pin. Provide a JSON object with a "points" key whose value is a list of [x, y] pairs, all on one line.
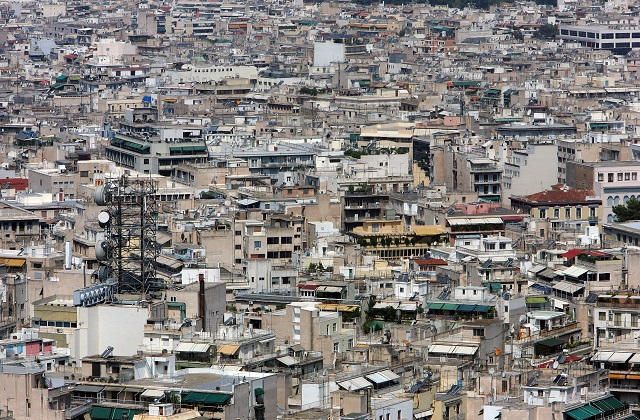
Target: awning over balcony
{"points": [[228, 349]]}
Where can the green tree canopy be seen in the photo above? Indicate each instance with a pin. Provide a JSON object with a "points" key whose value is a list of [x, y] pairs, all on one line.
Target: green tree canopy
{"points": [[629, 211]]}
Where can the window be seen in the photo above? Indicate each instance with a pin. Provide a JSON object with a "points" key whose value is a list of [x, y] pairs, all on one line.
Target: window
{"points": [[556, 213], [478, 332], [238, 233], [336, 347], [84, 174], [602, 316], [600, 177], [609, 177], [567, 213], [257, 244], [504, 386], [627, 176], [238, 246], [578, 212], [146, 161], [286, 240], [543, 213], [620, 176], [335, 327]]}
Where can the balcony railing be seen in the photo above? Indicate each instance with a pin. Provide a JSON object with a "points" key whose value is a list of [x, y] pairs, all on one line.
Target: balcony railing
{"points": [[554, 332], [78, 410]]}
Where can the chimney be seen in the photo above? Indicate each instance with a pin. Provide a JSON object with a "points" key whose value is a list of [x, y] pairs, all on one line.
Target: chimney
{"points": [[201, 309]]}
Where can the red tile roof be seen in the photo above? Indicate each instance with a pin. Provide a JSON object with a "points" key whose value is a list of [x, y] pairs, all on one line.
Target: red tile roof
{"points": [[429, 261], [573, 253], [18, 184], [561, 196]]}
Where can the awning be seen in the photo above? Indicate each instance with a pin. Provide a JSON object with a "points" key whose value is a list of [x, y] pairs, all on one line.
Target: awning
{"points": [[583, 413], [228, 349], [391, 376], [548, 273], [429, 230], [192, 348], [450, 307], [441, 349], [493, 286], [287, 360], [537, 268], [93, 389], [466, 308], [380, 377], [607, 405], [536, 300], [601, 356], [206, 398], [482, 308], [572, 253], [423, 414], [567, 287], [329, 289], [100, 413], [465, 350], [435, 306], [354, 384], [152, 393], [635, 358], [551, 342], [574, 271], [619, 357]]}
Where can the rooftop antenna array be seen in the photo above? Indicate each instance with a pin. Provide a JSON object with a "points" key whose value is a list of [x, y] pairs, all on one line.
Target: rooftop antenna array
{"points": [[129, 251]]}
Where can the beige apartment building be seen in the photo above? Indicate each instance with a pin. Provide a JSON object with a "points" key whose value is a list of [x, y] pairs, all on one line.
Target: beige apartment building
{"points": [[312, 328]]}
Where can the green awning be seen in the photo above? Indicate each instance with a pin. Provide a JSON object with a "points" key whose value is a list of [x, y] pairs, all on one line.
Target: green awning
{"points": [[117, 413], [583, 413], [492, 91], [101, 413], [435, 305], [259, 391], [551, 342], [482, 308], [607, 405], [206, 398], [467, 308], [493, 286], [465, 83], [174, 150], [598, 125], [354, 137], [536, 299], [364, 82], [450, 307], [509, 92]]}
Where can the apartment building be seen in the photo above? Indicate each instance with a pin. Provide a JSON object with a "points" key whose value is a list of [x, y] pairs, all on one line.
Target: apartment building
{"points": [[613, 181]]}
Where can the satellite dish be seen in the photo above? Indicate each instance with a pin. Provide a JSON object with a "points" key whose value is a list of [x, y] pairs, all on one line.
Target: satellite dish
{"points": [[522, 319], [104, 217], [492, 371], [556, 364], [128, 190], [101, 196]]}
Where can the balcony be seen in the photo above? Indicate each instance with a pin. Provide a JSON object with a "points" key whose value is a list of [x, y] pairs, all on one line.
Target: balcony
{"points": [[566, 329], [78, 410]]}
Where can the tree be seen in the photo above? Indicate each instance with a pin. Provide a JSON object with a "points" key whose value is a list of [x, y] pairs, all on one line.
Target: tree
{"points": [[629, 211], [546, 32]]}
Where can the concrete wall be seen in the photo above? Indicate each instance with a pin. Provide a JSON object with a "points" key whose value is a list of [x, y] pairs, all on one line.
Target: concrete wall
{"points": [[120, 327]]}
